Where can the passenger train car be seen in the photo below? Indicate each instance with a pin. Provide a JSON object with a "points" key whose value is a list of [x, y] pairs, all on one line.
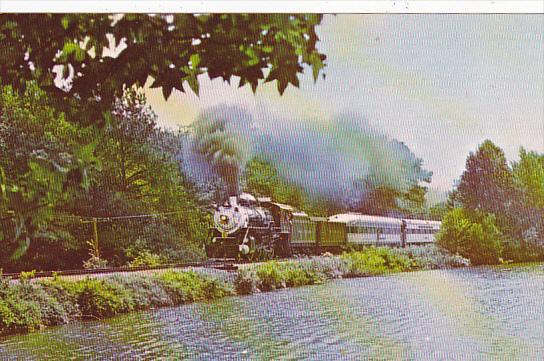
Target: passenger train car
{"points": [[246, 227]]}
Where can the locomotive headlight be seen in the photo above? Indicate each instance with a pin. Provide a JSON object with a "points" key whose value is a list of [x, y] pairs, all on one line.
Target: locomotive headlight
{"points": [[227, 220]]}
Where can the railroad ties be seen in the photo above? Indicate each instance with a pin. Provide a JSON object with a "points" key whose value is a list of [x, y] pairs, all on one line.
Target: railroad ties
{"points": [[224, 265]]}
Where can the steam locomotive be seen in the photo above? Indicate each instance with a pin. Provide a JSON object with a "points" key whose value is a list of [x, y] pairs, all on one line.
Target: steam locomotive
{"points": [[249, 228]]}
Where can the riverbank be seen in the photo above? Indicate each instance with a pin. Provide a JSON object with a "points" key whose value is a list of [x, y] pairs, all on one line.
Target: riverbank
{"points": [[33, 304]]}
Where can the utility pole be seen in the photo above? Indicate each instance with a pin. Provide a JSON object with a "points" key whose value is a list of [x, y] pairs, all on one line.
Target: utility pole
{"points": [[93, 243]]}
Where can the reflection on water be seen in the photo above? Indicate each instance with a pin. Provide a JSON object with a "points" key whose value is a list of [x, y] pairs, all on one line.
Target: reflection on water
{"points": [[494, 313]]}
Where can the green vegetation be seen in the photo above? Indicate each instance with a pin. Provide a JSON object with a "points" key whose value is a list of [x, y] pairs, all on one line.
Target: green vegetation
{"points": [[30, 304], [497, 211], [432, 257], [472, 234], [262, 179], [63, 175], [110, 53], [79, 146], [375, 261], [80, 153]]}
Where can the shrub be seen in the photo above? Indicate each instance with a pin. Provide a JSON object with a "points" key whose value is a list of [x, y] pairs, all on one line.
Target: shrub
{"points": [[514, 251], [98, 298], [65, 293], [303, 272], [375, 261], [432, 257], [270, 276], [27, 306], [146, 291], [327, 267], [25, 276], [52, 311], [471, 234], [19, 315], [146, 258], [245, 282], [214, 289], [95, 263], [189, 286], [273, 275]]}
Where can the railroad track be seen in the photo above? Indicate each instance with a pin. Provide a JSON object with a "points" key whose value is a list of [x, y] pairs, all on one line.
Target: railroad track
{"points": [[226, 265]]}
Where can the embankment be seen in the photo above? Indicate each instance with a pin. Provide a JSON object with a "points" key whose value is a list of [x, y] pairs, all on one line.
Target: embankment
{"points": [[30, 305]]}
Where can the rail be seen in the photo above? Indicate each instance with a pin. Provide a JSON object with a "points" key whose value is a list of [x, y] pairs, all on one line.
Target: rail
{"points": [[225, 265]]}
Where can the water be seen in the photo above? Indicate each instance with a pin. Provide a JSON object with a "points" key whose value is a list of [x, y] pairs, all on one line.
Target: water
{"points": [[494, 313]]}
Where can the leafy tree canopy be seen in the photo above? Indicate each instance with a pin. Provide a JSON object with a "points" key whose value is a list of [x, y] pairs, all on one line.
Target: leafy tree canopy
{"points": [[41, 163], [472, 234], [96, 56], [529, 175], [487, 183], [262, 179]]}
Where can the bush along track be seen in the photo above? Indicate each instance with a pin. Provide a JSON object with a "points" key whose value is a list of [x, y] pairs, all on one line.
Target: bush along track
{"points": [[32, 304]]}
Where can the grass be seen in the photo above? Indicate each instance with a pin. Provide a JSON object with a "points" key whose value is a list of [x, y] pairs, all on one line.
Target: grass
{"points": [[32, 304]]}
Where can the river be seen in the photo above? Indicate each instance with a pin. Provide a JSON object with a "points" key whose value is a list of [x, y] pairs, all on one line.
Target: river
{"points": [[483, 313]]}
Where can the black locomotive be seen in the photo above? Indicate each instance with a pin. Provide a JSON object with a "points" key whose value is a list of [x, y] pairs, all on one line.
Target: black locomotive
{"points": [[245, 227]]}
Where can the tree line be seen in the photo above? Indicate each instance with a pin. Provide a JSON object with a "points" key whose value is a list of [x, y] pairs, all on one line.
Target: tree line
{"points": [[496, 212]]}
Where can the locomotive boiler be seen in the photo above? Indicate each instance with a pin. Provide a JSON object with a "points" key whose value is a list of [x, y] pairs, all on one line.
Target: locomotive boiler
{"points": [[244, 228]]}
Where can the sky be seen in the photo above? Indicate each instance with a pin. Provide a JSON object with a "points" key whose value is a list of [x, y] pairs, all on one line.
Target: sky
{"points": [[440, 83]]}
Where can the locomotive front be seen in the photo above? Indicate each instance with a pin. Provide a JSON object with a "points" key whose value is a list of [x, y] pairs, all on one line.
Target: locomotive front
{"points": [[239, 224]]}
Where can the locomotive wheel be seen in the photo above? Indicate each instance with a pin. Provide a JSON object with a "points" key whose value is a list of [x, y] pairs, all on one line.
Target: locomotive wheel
{"points": [[262, 252], [282, 247]]}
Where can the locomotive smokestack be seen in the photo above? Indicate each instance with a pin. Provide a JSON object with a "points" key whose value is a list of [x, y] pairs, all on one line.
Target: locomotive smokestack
{"points": [[231, 177]]}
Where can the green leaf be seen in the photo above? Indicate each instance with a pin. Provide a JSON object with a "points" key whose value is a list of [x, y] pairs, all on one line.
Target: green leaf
{"points": [[65, 22], [68, 49], [195, 60], [80, 54], [193, 83]]}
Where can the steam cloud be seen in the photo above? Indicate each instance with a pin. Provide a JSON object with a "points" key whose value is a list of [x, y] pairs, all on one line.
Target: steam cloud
{"points": [[339, 160]]}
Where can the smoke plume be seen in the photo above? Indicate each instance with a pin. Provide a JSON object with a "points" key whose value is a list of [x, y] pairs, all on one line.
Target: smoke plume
{"points": [[340, 159]]}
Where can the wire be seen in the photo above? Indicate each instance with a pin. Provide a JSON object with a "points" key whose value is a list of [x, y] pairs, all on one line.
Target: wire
{"points": [[86, 219]]}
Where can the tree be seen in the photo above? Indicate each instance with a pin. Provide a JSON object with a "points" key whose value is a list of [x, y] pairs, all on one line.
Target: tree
{"points": [[528, 207], [126, 141], [472, 234], [487, 183], [438, 211], [262, 179], [140, 175], [99, 55], [388, 201], [511, 197], [380, 201], [59, 173], [413, 201], [529, 177], [46, 160]]}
